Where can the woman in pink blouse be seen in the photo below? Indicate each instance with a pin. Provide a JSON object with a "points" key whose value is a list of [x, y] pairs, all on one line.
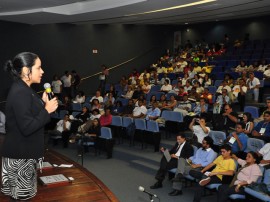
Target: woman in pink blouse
{"points": [[248, 172]]}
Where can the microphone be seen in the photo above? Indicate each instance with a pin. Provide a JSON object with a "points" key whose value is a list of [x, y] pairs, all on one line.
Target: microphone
{"points": [[143, 190], [48, 90]]}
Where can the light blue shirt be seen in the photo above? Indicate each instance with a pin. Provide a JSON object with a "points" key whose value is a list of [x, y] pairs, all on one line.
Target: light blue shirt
{"points": [[151, 112], [198, 109], [203, 157]]}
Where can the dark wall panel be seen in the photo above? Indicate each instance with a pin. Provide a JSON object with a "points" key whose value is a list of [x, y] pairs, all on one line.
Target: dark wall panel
{"points": [[66, 47]]}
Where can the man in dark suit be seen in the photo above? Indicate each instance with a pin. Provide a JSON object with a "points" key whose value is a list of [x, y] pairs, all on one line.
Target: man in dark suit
{"points": [[181, 149]]}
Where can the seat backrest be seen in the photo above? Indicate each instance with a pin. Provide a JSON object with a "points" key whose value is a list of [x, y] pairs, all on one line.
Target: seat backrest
{"points": [[116, 121], [140, 124], [152, 126], [76, 107], [106, 133], [253, 110], [155, 88], [126, 121], [172, 116], [218, 137], [212, 89], [254, 144]]}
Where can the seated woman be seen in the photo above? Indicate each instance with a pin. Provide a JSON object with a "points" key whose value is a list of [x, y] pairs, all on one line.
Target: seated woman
{"points": [[248, 173], [249, 124], [129, 93], [66, 104], [166, 87], [162, 101], [95, 104], [90, 136], [117, 108], [170, 104], [84, 115], [80, 98], [109, 100], [152, 100]]}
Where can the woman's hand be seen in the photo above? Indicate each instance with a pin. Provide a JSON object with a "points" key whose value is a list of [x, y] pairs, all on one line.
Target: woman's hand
{"points": [[50, 105]]}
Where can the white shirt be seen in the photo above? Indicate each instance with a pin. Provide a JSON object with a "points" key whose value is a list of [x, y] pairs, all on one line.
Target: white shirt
{"points": [[66, 80], [228, 88], [265, 151], [236, 90], [253, 83], [267, 73], [178, 153], [100, 99], [166, 88], [139, 110], [198, 131], [2, 122], [60, 125], [56, 86]]}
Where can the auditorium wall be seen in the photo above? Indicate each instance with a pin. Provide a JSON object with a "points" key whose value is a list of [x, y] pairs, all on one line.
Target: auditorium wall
{"points": [[67, 47], [257, 28]]}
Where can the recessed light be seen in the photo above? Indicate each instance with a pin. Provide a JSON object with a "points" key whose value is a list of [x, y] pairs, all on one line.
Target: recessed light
{"points": [[186, 23]]}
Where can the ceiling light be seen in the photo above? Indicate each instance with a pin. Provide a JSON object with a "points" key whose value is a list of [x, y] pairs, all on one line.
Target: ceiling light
{"points": [[175, 7]]}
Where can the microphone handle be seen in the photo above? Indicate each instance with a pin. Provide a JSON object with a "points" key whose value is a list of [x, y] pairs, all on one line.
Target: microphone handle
{"points": [[50, 96]]}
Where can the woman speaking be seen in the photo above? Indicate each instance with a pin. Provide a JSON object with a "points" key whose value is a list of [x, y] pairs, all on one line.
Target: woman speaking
{"points": [[26, 116]]}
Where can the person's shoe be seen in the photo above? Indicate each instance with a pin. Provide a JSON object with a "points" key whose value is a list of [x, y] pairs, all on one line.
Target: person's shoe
{"points": [[205, 181], [156, 185], [176, 192], [178, 177]]}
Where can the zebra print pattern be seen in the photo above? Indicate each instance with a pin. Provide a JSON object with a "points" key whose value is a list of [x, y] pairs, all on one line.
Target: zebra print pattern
{"points": [[19, 178]]}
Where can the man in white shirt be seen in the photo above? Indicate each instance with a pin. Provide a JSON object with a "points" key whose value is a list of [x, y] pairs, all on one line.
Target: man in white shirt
{"points": [[264, 152], [166, 87], [266, 74], [66, 79], [62, 129], [97, 96], [253, 84], [224, 85], [56, 86], [184, 106], [198, 127], [139, 111]]}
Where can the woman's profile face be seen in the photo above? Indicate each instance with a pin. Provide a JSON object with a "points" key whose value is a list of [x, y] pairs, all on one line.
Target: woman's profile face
{"points": [[37, 72], [245, 118]]}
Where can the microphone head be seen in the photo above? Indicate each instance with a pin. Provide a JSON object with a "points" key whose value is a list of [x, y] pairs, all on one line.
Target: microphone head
{"points": [[141, 188], [47, 85]]}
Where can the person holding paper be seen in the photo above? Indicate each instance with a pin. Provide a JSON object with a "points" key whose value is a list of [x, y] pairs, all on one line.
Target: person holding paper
{"points": [[182, 149], [26, 115], [238, 140], [203, 157]]}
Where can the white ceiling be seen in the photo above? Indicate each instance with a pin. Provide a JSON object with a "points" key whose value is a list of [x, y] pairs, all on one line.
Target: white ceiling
{"points": [[129, 11]]}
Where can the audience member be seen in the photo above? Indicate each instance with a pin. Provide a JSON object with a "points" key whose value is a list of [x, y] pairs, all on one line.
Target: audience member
{"points": [[57, 86], [66, 79], [182, 149], [225, 166], [106, 118], [154, 112], [249, 124], [253, 84], [97, 96], [262, 129], [199, 129], [183, 106], [247, 174], [139, 111], [203, 157]]}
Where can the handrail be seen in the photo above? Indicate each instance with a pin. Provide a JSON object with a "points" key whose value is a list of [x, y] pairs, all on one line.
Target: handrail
{"points": [[118, 65], [113, 67]]}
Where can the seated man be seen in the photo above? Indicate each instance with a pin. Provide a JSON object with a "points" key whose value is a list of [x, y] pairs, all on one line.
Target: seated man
{"points": [[225, 165], [203, 157], [201, 108], [153, 113], [181, 149], [264, 153], [62, 129], [166, 87], [199, 129], [230, 118], [253, 85], [262, 129], [128, 109], [238, 140], [139, 111], [224, 85], [97, 96], [183, 106]]}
